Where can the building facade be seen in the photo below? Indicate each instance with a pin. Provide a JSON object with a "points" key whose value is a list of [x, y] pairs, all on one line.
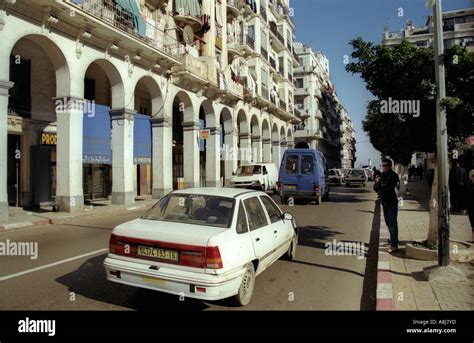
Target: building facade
{"points": [[458, 28], [114, 98], [325, 123]]}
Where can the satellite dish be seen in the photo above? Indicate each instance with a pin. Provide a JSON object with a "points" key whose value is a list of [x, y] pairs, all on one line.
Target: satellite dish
{"points": [[188, 34]]}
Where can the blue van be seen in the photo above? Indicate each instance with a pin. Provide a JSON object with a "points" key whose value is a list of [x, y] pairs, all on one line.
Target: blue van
{"points": [[303, 174]]}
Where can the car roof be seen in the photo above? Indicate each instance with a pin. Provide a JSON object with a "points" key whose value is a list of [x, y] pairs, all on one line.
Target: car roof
{"points": [[225, 192]]}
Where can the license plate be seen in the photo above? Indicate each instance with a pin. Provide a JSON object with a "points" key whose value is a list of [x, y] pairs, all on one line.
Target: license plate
{"points": [[290, 187], [162, 254], [154, 280]]}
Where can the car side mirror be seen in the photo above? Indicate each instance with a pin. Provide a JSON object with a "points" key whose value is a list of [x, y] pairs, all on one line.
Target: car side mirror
{"points": [[287, 216]]}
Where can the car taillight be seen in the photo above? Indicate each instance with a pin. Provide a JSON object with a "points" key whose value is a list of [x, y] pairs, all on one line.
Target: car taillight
{"points": [[279, 186], [316, 187], [213, 258], [112, 244]]}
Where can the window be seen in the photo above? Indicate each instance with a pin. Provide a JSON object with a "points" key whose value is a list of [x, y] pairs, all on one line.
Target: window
{"points": [[299, 83], [242, 226], [307, 164], [255, 213], [265, 172], [193, 209], [291, 165], [272, 209]]}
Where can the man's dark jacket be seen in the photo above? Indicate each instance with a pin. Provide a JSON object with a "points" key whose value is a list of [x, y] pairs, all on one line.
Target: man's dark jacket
{"points": [[386, 186]]}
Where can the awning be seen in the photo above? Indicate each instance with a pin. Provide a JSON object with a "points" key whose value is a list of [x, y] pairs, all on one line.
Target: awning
{"points": [[142, 139], [97, 136]]}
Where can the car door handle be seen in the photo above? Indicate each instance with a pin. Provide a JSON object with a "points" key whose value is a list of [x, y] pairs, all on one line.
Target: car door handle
{"points": [[257, 239]]}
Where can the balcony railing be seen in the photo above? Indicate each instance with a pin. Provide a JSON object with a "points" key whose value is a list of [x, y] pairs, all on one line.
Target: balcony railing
{"points": [[288, 45], [281, 70], [264, 53], [110, 13], [283, 105]]}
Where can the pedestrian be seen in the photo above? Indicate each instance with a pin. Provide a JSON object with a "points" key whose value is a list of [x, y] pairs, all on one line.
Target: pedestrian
{"points": [[470, 206], [377, 173], [387, 187], [458, 187]]}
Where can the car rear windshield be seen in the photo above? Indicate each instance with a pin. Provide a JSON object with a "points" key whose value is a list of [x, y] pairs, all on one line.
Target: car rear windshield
{"points": [[249, 170], [193, 209], [357, 173]]}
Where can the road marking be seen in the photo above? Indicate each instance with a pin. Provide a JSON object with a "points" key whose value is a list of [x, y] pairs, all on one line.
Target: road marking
{"points": [[28, 271]]}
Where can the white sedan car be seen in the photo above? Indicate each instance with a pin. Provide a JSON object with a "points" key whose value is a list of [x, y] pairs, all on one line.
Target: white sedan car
{"points": [[204, 243]]}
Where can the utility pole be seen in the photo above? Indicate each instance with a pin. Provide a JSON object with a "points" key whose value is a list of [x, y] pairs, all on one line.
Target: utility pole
{"points": [[441, 138]]}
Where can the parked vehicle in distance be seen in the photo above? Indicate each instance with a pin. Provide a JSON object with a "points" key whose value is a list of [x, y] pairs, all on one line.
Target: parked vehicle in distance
{"points": [[370, 172], [261, 176], [357, 177], [203, 243], [303, 174], [344, 171], [336, 177]]}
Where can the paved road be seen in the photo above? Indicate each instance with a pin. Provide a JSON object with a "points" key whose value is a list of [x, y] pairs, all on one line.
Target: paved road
{"points": [[69, 273]]}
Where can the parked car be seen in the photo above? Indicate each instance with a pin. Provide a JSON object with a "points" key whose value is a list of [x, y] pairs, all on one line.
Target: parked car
{"points": [[370, 172], [303, 174], [261, 176], [336, 177], [203, 243], [356, 177]]}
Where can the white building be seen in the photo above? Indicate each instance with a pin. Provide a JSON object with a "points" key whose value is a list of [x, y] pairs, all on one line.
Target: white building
{"points": [[458, 28], [325, 124], [102, 98]]}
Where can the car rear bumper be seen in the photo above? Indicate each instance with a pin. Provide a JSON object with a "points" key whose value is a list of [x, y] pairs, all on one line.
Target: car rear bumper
{"points": [[250, 185], [173, 281], [299, 194], [356, 181]]}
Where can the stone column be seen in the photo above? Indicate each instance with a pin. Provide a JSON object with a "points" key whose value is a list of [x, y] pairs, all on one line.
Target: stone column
{"points": [[122, 156], [162, 157], [267, 150], [69, 190], [4, 87], [257, 149], [230, 155], [284, 146], [213, 158], [191, 154], [276, 157], [245, 148]]}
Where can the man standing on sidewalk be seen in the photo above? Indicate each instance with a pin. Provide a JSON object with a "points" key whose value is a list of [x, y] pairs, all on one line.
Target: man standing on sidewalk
{"points": [[386, 187]]}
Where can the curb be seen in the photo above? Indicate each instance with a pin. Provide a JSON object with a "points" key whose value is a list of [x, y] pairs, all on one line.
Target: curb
{"points": [[384, 299], [60, 220]]}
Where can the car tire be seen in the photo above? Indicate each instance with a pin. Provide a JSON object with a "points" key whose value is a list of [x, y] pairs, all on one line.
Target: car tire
{"points": [[290, 255], [245, 292], [326, 196]]}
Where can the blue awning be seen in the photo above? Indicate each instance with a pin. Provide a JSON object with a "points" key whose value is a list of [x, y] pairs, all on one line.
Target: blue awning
{"points": [[97, 136], [142, 139]]}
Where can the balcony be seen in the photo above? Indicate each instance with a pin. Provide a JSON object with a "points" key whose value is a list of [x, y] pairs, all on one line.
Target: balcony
{"points": [[250, 9], [108, 14], [250, 41], [231, 86], [264, 92], [272, 63], [233, 8], [281, 70], [283, 105], [277, 40], [194, 73], [187, 13]]}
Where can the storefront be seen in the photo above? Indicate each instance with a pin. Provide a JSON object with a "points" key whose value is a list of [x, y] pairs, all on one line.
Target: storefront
{"points": [[97, 154], [142, 153]]}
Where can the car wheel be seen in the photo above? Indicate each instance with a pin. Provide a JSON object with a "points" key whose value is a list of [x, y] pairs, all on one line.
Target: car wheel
{"points": [[326, 196], [290, 255], [243, 297], [318, 200]]}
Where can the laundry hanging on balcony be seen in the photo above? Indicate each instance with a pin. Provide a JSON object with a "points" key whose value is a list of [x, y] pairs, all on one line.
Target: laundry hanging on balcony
{"points": [[131, 7], [188, 7]]}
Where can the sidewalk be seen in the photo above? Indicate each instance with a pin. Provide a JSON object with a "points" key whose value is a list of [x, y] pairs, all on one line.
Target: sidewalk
{"points": [[20, 218], [402, 284]]}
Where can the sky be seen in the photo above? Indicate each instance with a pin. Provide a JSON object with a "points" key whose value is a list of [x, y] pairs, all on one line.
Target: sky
{"points": [[329, 25]]}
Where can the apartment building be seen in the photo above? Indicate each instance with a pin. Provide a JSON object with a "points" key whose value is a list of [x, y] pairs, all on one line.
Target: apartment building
{"points": [[119, 98], [325, 124], [458, 28]]}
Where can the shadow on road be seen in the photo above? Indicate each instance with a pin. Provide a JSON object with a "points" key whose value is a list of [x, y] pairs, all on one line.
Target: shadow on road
{"points": [[316, 236], [369, 288], [89, 281], [328, 267]]}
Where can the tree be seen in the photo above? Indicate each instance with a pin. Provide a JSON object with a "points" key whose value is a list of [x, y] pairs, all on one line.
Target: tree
{"points": [[404, 74]]}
